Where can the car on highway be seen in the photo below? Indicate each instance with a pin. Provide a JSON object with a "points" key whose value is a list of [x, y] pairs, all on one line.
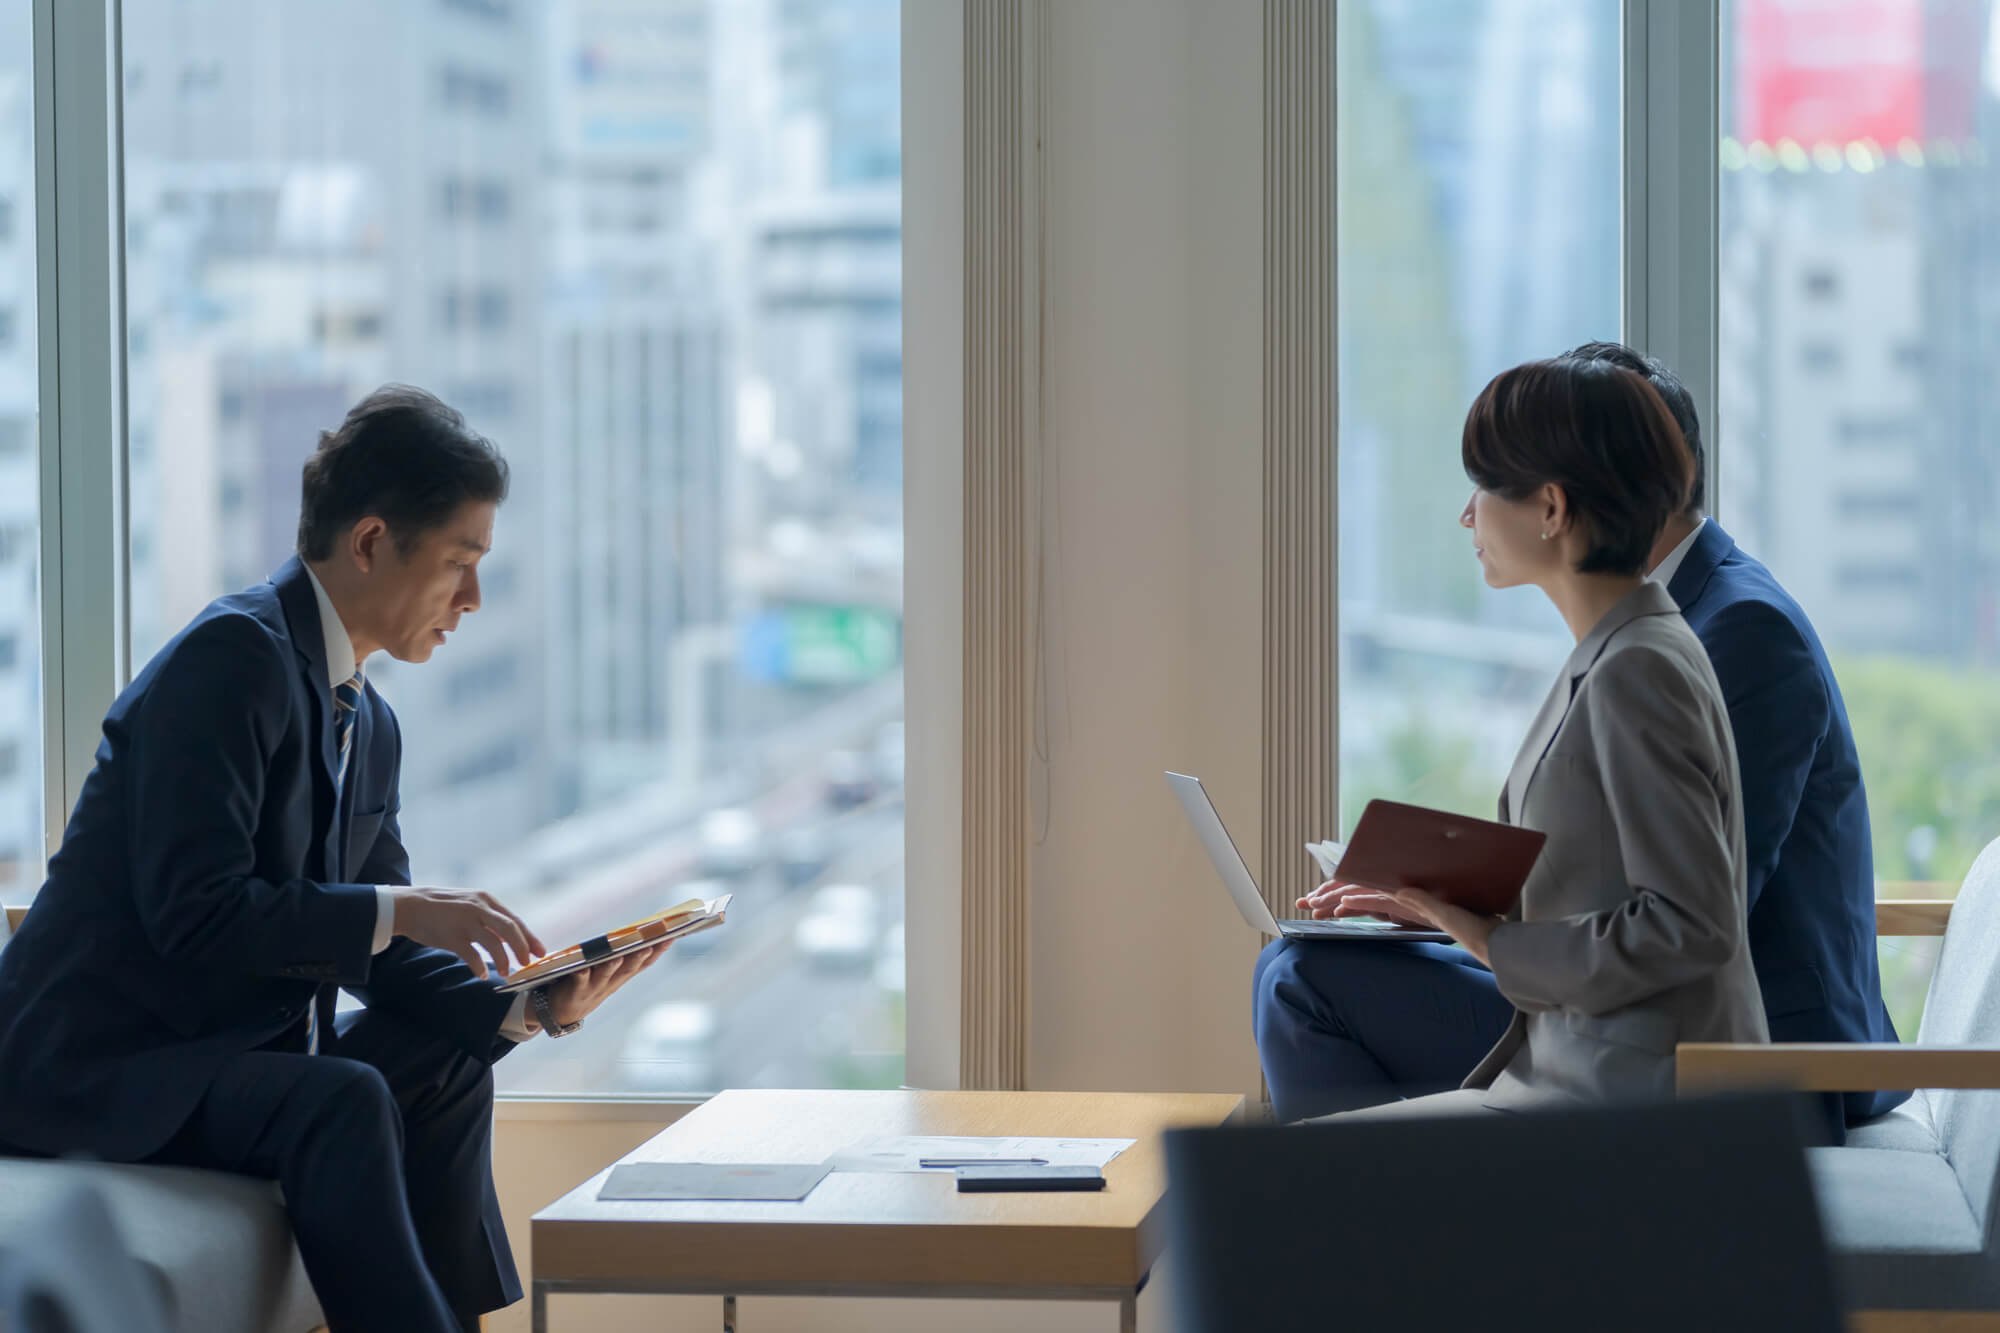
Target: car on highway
{"points": [[802, 853], [847, 780], [672, 1048], [732, 845], [839, 927]]}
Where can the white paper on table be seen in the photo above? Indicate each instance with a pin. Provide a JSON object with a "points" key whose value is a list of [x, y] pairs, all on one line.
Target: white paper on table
{"points": [[902, 1152]]}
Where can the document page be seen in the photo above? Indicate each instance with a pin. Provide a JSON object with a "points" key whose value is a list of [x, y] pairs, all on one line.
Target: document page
{"points": [[907, 1152], [1326, 855]]}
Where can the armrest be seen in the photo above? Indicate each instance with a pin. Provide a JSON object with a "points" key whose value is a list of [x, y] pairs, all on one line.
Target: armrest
{"points": [[1833, 1066], [1912, 916], [14, 915]]}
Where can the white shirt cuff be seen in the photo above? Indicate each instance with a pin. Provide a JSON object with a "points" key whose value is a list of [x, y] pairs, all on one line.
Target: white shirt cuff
{"points": [[385, 918], [515, 1026]]}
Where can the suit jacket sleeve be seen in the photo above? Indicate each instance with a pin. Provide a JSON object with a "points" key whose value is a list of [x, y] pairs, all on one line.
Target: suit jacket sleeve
{"points": [[1666, 792], [202, 740], [428, 988], [1779, 711]]}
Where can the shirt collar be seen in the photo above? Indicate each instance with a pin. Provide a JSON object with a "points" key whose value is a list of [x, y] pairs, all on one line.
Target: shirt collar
{"points": [[340, 664], [1664, 573]]}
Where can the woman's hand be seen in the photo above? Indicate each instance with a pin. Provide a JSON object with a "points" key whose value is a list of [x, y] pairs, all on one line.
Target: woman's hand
{"points": [[1409, 907], [1334, 899], [580, 992]]}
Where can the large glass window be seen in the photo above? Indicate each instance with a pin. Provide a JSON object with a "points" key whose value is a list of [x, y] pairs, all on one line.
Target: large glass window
{"points": [[652, 248], [20, 490], [1479, 228], [1860, 324]]}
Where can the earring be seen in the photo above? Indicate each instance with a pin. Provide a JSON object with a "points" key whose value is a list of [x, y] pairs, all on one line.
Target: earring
{"points": [[1545, 536]]}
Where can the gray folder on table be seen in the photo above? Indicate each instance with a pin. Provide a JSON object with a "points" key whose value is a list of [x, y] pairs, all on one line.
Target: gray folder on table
{"points": [[691, 1181]]}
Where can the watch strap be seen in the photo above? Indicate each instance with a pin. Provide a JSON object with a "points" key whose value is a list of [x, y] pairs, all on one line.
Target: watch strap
{"points": [[546, 1016]]}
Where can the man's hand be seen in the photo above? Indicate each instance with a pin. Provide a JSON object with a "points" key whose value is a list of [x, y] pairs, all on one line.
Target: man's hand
{"points": [[459, 919], [580, 992]]}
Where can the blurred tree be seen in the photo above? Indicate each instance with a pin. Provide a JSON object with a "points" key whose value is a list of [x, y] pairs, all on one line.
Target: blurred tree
{"points": [[1929, 738], [1421, 765]]}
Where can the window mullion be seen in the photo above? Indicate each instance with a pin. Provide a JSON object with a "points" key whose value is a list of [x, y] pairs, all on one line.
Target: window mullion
{"points": [[79, 240], [1672, 142]]}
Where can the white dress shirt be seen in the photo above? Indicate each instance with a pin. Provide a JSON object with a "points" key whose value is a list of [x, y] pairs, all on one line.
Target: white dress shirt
{"points": [[1664, 572], [341, 666]]}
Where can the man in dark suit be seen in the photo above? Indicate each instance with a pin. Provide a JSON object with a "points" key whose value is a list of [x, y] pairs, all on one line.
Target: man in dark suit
{"points": [[1344, 1024], [234, 859]]}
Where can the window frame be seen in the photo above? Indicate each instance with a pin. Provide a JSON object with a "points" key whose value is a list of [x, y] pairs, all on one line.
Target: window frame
{"points": [[1673, 184], [80, 327]]}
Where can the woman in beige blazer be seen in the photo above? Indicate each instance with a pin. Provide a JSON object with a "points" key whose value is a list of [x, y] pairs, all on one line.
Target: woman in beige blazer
{"points": [[1629, 935]]}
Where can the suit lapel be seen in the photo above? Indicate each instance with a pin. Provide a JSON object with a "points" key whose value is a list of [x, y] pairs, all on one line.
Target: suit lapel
{"points": [[1541, 734], [295, 595], [329, 761], [1648, 599]]}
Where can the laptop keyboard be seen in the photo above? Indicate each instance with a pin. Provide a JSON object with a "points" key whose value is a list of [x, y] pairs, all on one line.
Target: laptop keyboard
{"points": [[1351, 926]]}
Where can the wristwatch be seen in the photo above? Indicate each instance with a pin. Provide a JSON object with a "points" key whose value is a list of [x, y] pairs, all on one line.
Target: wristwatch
{"points": [[545, 1014]]}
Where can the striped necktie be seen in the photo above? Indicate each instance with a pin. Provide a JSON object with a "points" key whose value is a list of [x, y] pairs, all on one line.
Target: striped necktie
{"points": [[346, 700]]}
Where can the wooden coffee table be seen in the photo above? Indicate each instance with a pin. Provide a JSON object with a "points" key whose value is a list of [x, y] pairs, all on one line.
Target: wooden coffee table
{"points": [[879, 1234]]}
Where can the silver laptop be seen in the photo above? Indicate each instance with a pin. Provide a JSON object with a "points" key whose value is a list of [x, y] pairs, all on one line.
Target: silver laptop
{"points": [[1221, 849]]}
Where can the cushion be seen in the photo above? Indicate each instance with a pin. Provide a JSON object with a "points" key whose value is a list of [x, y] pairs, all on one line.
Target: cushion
{"points": [[1908, 1128], [1890, 1202], [219, 1247], [1902, 1233]]}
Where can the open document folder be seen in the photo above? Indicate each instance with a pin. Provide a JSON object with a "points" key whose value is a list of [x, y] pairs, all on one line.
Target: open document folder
{"points": [[672, 924]]}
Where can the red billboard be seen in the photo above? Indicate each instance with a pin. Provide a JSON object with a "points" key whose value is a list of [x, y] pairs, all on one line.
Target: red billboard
{"points": [[1840, 71]]}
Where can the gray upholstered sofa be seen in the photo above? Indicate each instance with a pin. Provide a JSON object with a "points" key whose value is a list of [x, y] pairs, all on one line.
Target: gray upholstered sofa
{"points": [[1912, 1203], [218, 1248]]}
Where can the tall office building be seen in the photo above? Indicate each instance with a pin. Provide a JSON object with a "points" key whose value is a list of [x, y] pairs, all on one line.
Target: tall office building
{"points": [[1402, 365], [1479, 152], [637, 374], [1826, 470], [311, 157], [1478, 227], [1855, 403], [1538, 264], [828, 257], [255, 302]]}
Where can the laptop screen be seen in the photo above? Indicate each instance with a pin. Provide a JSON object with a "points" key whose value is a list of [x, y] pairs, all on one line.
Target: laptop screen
{"points": [[1222, 853]]}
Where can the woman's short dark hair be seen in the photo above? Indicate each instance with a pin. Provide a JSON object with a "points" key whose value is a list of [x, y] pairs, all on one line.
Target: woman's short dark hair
{"points": [[1598, 431], [1679, 402], [402, 456]]}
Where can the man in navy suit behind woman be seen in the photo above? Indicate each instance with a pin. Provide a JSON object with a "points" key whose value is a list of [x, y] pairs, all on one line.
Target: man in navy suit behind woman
{"points": [[1347, 1024], [235, 858]]}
